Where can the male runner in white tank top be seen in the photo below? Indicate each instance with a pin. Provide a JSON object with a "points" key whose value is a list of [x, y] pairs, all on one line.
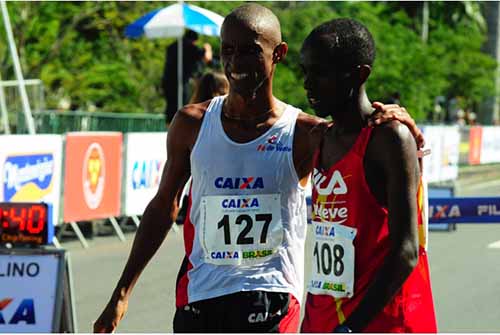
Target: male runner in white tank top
{"points": [[250, 155]]}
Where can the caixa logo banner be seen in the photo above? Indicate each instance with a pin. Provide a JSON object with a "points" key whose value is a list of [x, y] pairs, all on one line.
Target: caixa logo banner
{"points": [[464, 210], [14, 311]]}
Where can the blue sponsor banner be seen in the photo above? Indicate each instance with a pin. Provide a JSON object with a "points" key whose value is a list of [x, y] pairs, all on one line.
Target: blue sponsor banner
{"points": [[464, 210], [27, 176], [443, 211]]}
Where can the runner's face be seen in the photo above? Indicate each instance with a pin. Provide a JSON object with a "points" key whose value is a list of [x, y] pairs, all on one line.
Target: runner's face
{"points": [[247, 58], [328, 88]]}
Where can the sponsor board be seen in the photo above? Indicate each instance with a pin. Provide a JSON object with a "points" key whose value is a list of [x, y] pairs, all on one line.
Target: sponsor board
{"points": [[490, 145], [465, 210], [475, 136], [145, 156], [92, 181], [442, 163], [28, 292], [30, 171]]}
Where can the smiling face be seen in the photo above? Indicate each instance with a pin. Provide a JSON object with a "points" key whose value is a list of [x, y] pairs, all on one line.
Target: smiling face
{"points": [[247, 57]]}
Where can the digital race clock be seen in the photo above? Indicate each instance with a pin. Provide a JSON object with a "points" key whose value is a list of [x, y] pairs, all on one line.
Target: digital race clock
{"points": [[23, 223]]}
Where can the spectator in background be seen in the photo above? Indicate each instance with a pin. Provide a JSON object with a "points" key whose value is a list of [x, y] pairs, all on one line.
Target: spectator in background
{"points": [[193, 60], [472, 118], [461, 117], [210, 85]]}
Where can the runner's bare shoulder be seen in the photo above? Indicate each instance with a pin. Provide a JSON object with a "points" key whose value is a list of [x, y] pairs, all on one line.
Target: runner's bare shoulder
{"points": [[311, 127], [308, 121], [187, 122]]}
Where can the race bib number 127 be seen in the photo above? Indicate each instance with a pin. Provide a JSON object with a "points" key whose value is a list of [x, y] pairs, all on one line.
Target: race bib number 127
{"points": [[241, 229]]}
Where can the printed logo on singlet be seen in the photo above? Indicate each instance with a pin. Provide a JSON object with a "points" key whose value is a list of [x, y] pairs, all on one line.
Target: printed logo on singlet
{"points": [[241, 203], [242, 183], [331, 211], [336, 185], [273, 144]]}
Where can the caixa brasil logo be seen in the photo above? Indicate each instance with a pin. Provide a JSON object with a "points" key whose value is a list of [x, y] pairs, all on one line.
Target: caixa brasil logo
{"points": [[273, 144], [15, 311], [94, 175], [242, 183], [241, 203], [27, 177]]}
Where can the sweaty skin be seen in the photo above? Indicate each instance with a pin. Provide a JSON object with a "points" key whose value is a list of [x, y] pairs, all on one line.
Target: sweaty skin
{"points": [[390, 165], [250, 51]]}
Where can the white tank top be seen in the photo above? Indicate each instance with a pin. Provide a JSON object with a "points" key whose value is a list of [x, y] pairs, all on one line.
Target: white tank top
{"points": [[248, 211]]}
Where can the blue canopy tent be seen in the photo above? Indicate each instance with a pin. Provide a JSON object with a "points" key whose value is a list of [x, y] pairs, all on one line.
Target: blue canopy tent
{"points": [[171, 21]]}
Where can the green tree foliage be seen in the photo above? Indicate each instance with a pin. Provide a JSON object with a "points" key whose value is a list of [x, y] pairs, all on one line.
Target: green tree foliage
{"points": [[79, 51]]}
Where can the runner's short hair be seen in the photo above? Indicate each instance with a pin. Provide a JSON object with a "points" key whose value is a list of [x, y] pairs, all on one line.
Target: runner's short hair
{"points": [[346, 41]]}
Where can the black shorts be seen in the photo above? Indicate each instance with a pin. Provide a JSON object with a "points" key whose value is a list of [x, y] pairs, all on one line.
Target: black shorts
{"points": [[242, 312]]}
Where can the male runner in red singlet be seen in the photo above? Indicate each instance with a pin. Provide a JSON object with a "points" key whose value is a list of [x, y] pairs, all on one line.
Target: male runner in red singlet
{"points": [[369, 271], [250, 156]]}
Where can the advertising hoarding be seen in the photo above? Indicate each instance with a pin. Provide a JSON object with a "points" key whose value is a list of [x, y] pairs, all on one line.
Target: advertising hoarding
{"points": [[92, 178], [30, 170], [29, 292], [442, 163], [490, 145], [145, 156], [475, 135]]}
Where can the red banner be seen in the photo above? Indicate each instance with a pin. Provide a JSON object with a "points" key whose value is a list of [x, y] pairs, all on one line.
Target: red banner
{"points": [[92, 178], [475, 138]]}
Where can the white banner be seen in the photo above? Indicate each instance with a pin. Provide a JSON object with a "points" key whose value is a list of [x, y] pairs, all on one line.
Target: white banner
{"points": [[30, 170], [450, 152], [145, 157], [442, 163], [490, 145], [28, 292], [432, 162]]}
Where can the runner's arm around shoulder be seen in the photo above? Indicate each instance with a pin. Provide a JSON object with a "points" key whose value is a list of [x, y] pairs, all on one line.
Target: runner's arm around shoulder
{"points": [[158, 216], [393, 149], [309, 131]]}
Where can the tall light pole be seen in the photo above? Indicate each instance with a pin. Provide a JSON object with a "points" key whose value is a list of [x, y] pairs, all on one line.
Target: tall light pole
{"points": [[489, 110], [17, 68], [425, 22]]}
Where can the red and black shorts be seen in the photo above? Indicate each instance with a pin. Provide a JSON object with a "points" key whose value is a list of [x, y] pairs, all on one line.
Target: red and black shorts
{"points": [[242, 312]]}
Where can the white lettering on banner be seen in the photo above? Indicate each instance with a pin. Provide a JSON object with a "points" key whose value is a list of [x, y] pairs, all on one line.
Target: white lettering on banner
{"points": [[16, 176], [30, 170], [442, 212], [488, 210], [335, 186]]}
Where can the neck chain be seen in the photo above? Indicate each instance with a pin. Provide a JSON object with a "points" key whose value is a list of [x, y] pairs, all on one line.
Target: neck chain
{"points": [[236, 118]]}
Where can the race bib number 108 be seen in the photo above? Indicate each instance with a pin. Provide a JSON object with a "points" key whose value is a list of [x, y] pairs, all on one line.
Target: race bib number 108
{"points": [[333, 260], [242, 229]]}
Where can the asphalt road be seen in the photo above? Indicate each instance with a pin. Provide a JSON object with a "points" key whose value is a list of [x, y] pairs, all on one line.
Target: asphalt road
{"points": [[465, 274]]}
